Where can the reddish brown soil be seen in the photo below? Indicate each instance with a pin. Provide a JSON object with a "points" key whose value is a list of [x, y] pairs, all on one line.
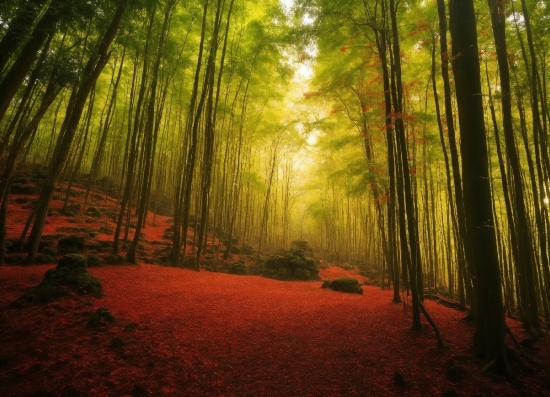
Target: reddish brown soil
{"points": [[184, 333]]}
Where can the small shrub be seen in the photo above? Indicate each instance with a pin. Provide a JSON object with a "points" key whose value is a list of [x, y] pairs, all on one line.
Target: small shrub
{"points": [[101, 317]]}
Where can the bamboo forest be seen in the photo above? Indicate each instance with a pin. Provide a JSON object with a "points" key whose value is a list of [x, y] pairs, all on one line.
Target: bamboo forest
{"points": [[274, 198]]}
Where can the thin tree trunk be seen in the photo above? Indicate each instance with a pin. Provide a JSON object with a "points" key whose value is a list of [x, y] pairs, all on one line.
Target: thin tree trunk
{"points": [[91, 72]]}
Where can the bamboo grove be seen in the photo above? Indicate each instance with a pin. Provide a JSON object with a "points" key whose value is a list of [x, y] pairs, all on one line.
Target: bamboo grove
{"points": [[419, 148], [164, 104], [434, 140]]}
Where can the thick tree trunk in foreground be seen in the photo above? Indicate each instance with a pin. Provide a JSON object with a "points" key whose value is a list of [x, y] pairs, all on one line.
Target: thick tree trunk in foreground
{"points": [[489, 315]]}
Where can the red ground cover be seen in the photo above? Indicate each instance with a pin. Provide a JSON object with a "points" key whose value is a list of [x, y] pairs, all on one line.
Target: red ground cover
{"points": [[185, 333], [210, 334]]}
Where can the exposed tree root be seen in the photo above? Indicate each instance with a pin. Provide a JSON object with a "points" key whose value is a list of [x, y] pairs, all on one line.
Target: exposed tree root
{"points": [[440, 343], [486, 368]]}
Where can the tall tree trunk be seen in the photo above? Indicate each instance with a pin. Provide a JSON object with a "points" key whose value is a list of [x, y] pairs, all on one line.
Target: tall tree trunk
{"points": [[489, 315], [132, 145], [151, 132], [524, 261], [210, 125], [390, 142], [464, 250], [181, 218], [415, 271]]}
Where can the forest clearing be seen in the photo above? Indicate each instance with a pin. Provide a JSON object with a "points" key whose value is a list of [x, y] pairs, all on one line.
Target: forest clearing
{"points": [[307, 197]]}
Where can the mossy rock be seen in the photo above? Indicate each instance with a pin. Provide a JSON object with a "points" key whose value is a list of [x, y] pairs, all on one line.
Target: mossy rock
{"points": [[326, 284], [72, 261], [93, 212], [14, 246], [70, 244], [21, 188], [284, 273], [457, 373], [118, 343], [291, 265], [69, 212], [115, 259], [100, 318], [93, 261], [46, 291], [302, 274], [51, 251], [238, 268], [69, 275], [45, 259], [344, 284], [95, 245], [106, 229], [130, 327]]}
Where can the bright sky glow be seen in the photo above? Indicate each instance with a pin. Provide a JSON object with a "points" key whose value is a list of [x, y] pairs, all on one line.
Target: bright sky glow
{"points": [[287, 4]]}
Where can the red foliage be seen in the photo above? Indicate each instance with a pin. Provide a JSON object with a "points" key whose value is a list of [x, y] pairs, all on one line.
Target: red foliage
{"points": [[308, 95], [209, 334]]}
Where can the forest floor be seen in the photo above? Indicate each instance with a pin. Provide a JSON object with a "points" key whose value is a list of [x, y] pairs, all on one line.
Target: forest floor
{"points": [[179, 332]]}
